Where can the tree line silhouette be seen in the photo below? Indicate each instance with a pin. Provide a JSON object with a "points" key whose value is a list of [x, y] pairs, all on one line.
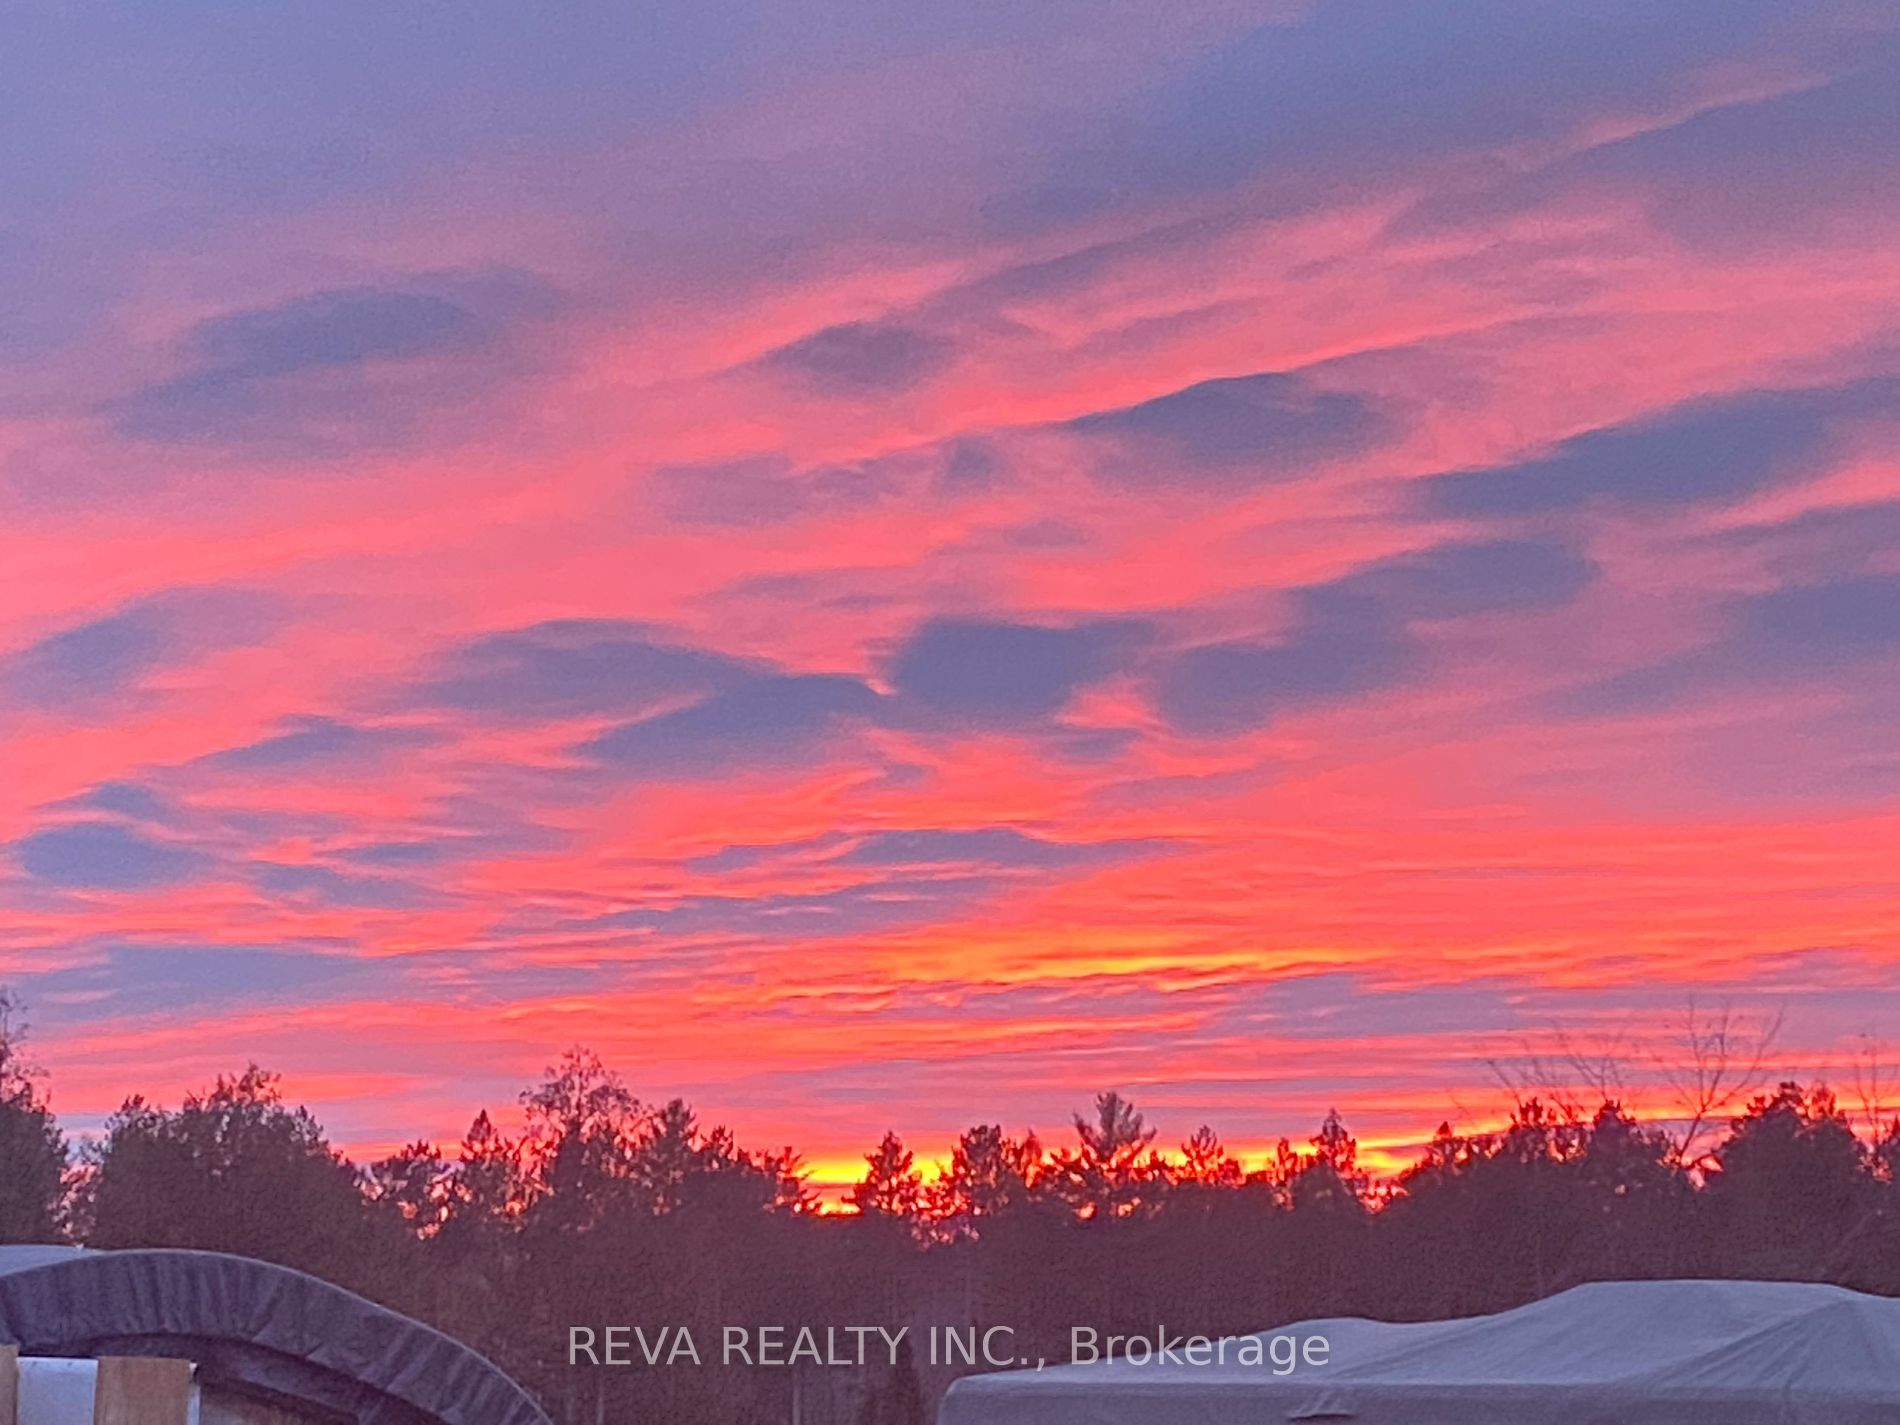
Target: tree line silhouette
{"points": [[604, 1210]]}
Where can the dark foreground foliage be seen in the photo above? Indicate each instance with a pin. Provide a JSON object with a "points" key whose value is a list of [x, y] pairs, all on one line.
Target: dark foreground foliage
{"points": [[607, 1211]]}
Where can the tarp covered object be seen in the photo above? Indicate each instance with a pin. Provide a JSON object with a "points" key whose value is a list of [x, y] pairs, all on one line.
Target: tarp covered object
{"points": [[256, 1324], [1611, 1353]]}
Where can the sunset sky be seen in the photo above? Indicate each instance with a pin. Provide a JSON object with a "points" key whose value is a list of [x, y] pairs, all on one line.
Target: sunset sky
{"points": [[893, 565]]}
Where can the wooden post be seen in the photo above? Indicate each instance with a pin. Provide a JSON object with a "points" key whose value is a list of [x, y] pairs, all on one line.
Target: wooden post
{"points": [[9, 1385], [142, 1390]]}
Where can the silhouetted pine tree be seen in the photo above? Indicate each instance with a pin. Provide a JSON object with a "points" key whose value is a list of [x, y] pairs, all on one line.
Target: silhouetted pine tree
{"points": [[33, 1152], [234, 1169]]}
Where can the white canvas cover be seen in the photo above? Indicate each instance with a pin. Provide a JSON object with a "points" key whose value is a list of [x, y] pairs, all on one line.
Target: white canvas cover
{"points": [[1610, 1353]]}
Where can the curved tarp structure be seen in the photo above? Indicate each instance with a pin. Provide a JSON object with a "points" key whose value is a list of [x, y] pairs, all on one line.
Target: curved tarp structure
{"points": [[258, 1325], [1632, 1353]]}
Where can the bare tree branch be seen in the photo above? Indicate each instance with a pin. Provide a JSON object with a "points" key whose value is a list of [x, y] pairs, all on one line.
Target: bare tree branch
{"points": [[1718, 1063]]}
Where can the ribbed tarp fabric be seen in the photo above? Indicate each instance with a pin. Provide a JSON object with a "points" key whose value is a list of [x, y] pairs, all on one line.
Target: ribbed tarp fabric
{"points": [[1608, 1353], [255, 1323]]}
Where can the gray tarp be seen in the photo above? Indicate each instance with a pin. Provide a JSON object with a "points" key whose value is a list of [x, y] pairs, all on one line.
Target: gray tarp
{"points": [[1611, 1353], [254, 1323]]}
